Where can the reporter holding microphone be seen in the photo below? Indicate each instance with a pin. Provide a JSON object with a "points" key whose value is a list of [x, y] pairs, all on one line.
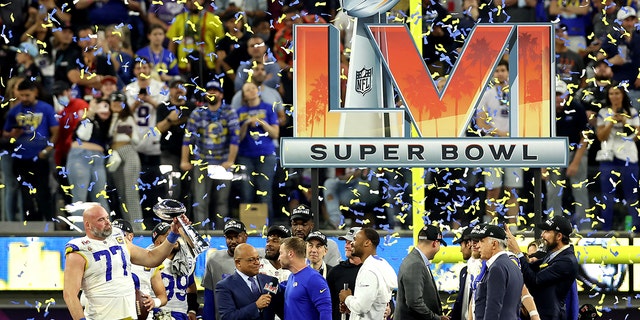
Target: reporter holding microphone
{"points": [[246, 294]]}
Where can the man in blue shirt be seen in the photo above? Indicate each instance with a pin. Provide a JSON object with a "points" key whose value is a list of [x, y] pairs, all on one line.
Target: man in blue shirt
{"points": [[33, 125], [306, 292]]}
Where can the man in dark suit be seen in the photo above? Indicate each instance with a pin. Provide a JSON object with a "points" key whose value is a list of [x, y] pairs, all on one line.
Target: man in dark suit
{"points": [[550, 279], [461, 306], [418, 296], [498, 293], [246, 294]]}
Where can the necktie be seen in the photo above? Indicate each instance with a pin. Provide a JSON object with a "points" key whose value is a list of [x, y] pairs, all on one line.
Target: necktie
{"points": [[254, 285]]}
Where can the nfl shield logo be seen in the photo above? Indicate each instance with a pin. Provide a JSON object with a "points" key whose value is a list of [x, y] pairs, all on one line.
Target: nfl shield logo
{"points": [[363, 81]]}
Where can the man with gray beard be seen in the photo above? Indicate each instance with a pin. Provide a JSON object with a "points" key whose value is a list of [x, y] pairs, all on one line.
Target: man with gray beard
{"points": [[100, 265]]}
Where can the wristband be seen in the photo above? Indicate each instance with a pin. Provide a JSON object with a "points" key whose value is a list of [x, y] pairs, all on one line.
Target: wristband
{"points": [[533, 313], [525, 297], [520, 255], [156, 302], [173, 237], [83, 318]]}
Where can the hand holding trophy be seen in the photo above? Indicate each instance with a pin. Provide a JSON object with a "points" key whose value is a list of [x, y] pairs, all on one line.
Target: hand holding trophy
{"points": [[168, 209]]}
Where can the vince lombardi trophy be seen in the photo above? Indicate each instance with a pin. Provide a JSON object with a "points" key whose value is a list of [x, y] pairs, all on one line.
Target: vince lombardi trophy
{"points": [[368, 86]]}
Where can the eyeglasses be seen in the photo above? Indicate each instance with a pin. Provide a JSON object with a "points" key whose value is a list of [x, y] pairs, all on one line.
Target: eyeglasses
{"points": [[252, 259]]}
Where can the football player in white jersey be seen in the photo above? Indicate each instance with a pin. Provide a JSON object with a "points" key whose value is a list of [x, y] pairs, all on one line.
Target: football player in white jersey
{"points": [[178, 278], [100, 265], [147, 280], [270, 265]]}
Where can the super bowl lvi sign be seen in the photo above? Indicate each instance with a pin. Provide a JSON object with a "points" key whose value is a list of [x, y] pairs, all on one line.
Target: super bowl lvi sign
{"points": [[371, 131]]}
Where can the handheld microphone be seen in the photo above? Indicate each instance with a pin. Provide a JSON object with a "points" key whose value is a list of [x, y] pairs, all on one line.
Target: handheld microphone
{"points": [[271, 287]]}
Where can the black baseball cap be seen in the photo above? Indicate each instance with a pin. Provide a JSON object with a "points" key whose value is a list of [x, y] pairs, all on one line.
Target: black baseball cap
{"points": [[464, 236], [235, 226], [432, 233], [280, 231], [123, 225], [351, 234], [302, 212], [160, 229], [482, 231], [176, 81], [559, 224], [317, 235]]}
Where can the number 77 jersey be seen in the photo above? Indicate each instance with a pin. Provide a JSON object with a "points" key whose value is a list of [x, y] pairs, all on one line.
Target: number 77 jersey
{"points": [[107, 283]]}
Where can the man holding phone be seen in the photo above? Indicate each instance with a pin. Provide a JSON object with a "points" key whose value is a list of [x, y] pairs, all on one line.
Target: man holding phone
{"points": [[144, 95]]}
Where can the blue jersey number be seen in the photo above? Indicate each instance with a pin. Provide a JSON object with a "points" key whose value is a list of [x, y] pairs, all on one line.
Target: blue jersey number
{"points": [[107, 256], [143, 112], [176, 286]]}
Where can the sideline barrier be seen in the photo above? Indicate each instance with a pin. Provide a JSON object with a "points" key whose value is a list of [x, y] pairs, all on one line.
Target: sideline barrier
{"points": [[585, 254]]}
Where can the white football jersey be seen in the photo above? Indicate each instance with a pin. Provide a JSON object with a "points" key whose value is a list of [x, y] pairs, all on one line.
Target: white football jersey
{"points": [[176, 288], [146, 117], [107, 282]]}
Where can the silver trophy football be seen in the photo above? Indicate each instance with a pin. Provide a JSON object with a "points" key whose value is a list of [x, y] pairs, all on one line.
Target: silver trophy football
{"points": [[167, 209]]}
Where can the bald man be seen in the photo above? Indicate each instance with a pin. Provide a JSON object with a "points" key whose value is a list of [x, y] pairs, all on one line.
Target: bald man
{"points": [[247, 294], [100, 265]]}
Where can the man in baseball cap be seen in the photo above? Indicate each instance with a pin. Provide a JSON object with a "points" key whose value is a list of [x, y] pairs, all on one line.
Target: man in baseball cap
{"points": [[432, 233], [467, 273], [416, 285], [220, 263], [344, 272], [499, 297], [551, 278], [316, 250], [160, 229], [302, 224]]}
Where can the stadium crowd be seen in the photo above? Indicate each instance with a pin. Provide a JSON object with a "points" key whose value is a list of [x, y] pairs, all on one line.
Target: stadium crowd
{"points": [[126, 102]]}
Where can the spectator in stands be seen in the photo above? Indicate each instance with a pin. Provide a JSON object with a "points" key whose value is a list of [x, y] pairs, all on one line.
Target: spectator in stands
{"points": [[25, 59], [118, 49], [269, 95], [618, 126], [516, 10], [571, 122], [40, 36], [66, 53], [86, 164], [144, 95], [34, 126], [212, 139], [622, 50], [10, 195], [573, 15], [193, 37], [163, 13], [163, 62], [95, 64], [258, 128], [174, 114], [492, 119], [107, 12], [232, 49], [569, 64], [124, 138], [69, 111], [354, 187], [258, 51]]}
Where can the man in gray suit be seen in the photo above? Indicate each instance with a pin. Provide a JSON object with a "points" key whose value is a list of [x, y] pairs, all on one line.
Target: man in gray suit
{"points": [[498, 293], [418, 296]]}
